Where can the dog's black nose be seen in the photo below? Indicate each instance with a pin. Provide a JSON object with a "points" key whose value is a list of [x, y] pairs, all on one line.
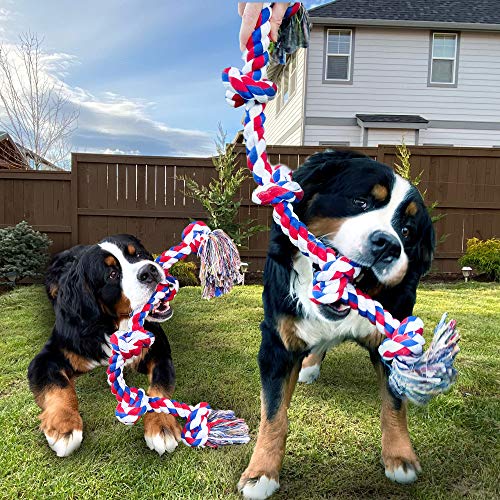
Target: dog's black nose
{"points": [[384, 246], [148, 274]]}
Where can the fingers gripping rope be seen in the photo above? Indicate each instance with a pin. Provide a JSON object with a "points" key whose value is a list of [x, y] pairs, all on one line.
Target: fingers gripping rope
{"points": [[402, 347], [204, 426]]}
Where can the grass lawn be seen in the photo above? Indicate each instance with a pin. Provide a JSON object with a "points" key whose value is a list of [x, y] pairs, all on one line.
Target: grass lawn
{"points": [[334, 441]]}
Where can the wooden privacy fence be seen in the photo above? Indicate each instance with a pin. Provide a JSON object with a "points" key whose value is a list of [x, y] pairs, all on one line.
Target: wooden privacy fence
{"points": [[141, 195]]}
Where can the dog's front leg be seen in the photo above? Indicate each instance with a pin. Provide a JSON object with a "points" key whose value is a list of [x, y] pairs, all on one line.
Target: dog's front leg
{"points": [[279, 368], [162, 432], [52, 382], [311, 367], [400, 461]]}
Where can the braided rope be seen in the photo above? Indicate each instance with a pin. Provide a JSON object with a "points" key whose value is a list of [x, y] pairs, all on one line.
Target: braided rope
{"points": [[204, 426], [250, 87]]}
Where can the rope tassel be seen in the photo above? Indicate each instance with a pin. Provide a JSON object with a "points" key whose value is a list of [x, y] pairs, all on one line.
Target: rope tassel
{"points": [[219, 264], [433, 373], [414, 374], [220, 270]]}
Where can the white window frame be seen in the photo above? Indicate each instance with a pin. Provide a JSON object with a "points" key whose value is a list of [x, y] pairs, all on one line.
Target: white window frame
{"points": [[454, 59], [280, 96], [349, 55]]}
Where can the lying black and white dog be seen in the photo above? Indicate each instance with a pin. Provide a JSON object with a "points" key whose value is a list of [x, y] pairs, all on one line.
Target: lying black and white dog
{"points": [[363, 210], [93, 290]]}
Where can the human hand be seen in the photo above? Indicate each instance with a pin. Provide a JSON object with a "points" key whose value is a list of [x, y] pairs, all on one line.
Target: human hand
{"points": [[250, 11]]}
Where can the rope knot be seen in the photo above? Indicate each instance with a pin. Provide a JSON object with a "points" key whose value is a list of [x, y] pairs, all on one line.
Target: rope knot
{"points": [[330, 284], [132, 406], [241, 87], [405, 341], [196, 429], [280, 188], [194, 231], [131, 343]]}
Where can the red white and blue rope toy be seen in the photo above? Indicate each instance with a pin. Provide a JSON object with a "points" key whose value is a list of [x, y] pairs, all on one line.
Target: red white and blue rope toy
{"points": [[220, 264], [415, 374]]}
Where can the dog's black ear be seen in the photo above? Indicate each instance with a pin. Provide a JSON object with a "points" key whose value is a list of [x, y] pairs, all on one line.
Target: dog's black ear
{"points": [[426, 246], [77, 307], [322, 166]]}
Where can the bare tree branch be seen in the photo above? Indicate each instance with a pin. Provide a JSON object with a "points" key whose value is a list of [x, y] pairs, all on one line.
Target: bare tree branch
{"points": [[38, 113]]}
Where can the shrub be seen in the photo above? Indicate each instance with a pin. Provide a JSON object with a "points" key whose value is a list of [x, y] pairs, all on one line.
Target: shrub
{"points": [[483, 256], [186, 273], [220, 197], [403, 168], [23, 251]]}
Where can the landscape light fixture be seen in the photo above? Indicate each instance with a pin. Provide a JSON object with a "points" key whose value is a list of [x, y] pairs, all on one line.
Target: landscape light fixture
{"points": [[466, 271], [11, 276], [243, 269]]}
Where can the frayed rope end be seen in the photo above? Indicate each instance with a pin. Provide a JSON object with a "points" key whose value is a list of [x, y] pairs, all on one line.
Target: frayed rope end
{"points": [[219, 264], [433, 373], [213, 428], [226, 428]]}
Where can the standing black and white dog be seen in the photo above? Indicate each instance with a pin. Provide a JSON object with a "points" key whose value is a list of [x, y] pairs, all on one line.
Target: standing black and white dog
{"points": [[363, 210], [93, 290]]}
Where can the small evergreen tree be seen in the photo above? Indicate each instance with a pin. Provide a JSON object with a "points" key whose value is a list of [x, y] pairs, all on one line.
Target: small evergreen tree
{"points": [[23, 251], [403, 168], [219, 198]]}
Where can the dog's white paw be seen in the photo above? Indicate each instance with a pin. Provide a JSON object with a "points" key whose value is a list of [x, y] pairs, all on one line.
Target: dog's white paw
{"points": [[309, 374], [65, 444], [402, 474], [259, 489], [161, 443]]}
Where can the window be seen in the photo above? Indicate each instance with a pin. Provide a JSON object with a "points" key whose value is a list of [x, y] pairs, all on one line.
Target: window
{"points": [[287, 84], [443, 58], [338, 55]]}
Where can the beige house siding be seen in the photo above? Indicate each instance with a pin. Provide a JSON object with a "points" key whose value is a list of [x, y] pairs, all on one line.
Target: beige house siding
{"points": [[286, 127]]}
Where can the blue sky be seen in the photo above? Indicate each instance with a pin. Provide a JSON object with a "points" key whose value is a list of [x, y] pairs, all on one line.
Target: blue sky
{"points": [[146, 75]]}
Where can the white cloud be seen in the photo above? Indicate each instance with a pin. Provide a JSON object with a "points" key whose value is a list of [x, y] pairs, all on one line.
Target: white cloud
{"points": [[120, 119], [109, 122], [121, 152], [5, 14]]}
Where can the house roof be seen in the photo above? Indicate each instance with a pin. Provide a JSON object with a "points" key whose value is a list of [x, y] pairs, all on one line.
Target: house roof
{"points": [[16, 156], [392, 118], [410, 122], [477, 14], [11, 156]]}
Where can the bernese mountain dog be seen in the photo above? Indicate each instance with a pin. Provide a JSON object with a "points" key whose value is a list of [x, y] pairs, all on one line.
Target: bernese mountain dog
{"points": [[363, 210], [93, 290]]}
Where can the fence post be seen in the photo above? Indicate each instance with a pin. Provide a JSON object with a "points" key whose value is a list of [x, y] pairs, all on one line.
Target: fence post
{"points": [[74, 199], [380, 153]]}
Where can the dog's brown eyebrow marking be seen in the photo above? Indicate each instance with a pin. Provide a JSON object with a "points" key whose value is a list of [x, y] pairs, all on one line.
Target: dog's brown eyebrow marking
{"points": [[379, 192], [411, 209], [131, 250], [110, 261]]}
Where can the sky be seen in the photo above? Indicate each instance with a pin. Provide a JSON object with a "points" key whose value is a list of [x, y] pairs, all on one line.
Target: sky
{"points": [[144, 75]]}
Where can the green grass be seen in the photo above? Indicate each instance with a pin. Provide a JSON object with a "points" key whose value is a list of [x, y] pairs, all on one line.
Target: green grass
{"points": [[334, 441]]}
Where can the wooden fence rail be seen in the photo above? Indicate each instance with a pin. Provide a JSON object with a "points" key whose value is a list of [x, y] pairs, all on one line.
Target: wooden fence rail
{"points": [[144, 195]]}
